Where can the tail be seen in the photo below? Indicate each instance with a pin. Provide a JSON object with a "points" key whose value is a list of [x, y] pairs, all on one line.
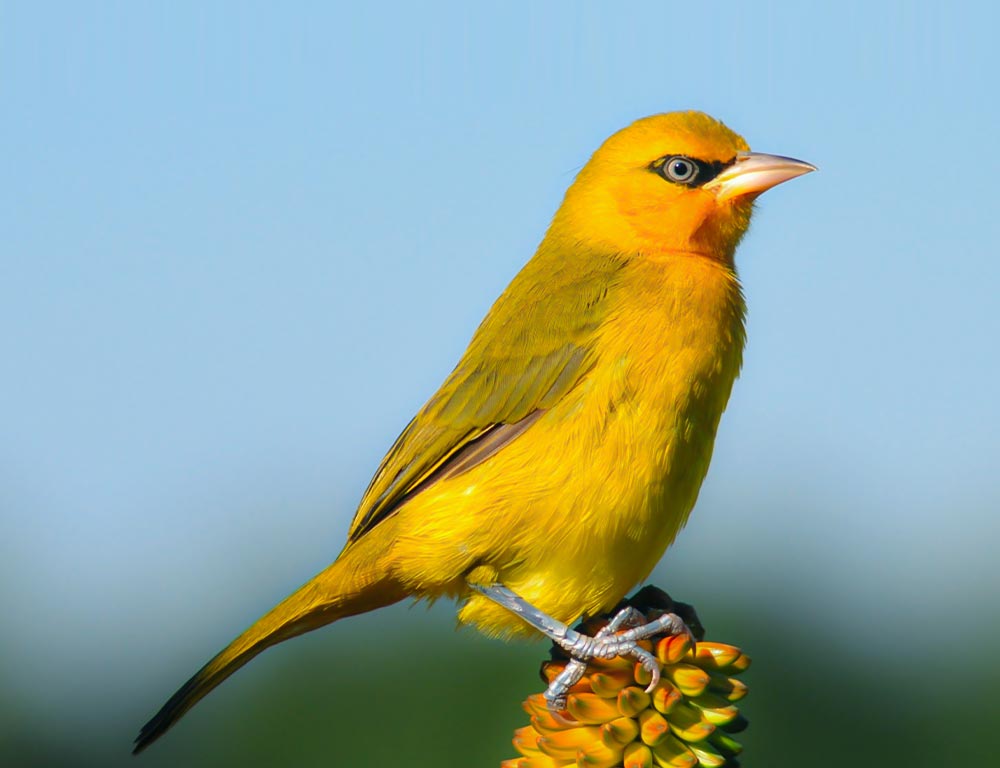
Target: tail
{"points": [[353, 584]]}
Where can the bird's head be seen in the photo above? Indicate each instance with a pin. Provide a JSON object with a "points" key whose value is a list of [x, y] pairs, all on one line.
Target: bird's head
{"points": [[677, 182]]}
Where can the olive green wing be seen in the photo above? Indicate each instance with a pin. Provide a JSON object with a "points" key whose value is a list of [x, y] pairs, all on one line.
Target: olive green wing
{"points": [[533, 347]]}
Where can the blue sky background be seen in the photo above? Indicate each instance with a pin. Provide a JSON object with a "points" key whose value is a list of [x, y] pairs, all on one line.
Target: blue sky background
{"points": [[241, 244]]}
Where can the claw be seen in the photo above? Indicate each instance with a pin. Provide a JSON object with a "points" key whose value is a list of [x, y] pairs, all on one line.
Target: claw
{"points": [[626, 617], [557, 715], [652, 666], [555, 694]]}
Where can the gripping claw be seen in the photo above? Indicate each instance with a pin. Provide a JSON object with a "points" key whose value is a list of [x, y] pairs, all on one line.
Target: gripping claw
{"points": [[620, 637]]}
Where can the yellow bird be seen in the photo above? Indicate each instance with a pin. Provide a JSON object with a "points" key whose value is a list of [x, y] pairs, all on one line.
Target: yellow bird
{"points": [[559, 459]]}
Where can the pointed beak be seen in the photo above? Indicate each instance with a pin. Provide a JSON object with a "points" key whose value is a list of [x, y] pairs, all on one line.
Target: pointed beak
{"points": [[755, 172]]}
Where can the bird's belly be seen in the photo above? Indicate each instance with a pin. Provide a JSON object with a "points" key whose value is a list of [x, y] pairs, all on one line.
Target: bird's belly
{"points": [[595, 539], [608, 532]]}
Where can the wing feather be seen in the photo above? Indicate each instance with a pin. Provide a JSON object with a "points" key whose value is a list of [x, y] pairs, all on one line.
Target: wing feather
{"points": [[534, 346]]}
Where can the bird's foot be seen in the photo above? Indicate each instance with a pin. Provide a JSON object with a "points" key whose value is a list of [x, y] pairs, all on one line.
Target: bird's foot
{"points": [[620, 637]]}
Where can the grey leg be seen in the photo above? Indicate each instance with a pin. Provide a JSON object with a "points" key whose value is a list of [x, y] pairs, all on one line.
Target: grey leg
{"points": [[606, 644]]}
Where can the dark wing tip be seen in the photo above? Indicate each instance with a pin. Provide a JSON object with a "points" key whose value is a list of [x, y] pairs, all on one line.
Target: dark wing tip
{"points": [[169, 714], [152, 730], [149, 733]]}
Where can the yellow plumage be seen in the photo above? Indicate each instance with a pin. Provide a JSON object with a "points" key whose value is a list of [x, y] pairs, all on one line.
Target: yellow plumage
{"points": [[578, 510], [566, 449]]}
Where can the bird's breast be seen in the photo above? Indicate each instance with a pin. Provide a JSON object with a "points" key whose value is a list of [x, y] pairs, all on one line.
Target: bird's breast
{"points": [[671, 349]]}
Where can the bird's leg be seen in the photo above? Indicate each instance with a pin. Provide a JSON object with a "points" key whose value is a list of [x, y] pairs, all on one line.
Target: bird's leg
{"points": [[607, 643]]}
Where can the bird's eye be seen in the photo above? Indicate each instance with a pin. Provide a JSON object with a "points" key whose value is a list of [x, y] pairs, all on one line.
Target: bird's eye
{"points": [[679, 169]]}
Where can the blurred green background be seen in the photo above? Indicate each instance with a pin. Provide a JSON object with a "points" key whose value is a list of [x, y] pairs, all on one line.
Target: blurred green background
{"points": [[240, 244]]}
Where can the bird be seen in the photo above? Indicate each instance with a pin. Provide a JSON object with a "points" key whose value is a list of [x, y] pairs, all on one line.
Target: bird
{"points": [[559, 459]]}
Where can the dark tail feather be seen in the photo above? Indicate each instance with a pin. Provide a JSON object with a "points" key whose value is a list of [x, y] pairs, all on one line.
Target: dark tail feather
{"points": [[346, 588]]}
